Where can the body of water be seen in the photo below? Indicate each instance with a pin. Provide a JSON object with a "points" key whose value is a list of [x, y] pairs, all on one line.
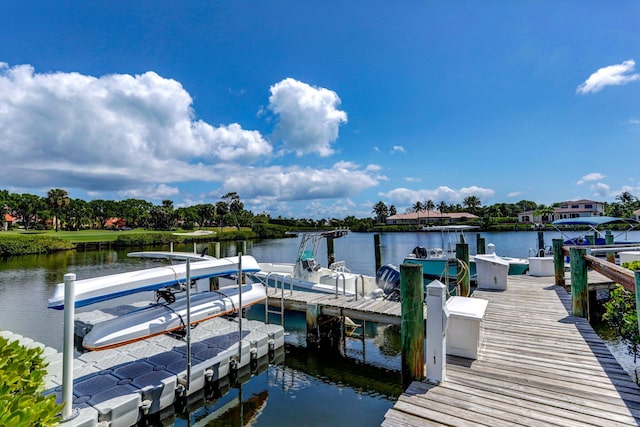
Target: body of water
{"points": [[353, 386]]}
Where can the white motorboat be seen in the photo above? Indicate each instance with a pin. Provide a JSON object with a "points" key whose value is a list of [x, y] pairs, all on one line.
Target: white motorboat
{"points": [[93, 290], [160, 318], [307, 274]]}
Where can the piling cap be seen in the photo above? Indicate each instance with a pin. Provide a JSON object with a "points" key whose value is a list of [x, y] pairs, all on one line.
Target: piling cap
{"points": [[491, 248], [436, 284]]}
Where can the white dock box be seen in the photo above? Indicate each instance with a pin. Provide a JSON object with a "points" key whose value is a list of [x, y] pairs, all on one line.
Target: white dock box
{"points": [[541, 266], [491, 271], [629, 256], [464, 331]]}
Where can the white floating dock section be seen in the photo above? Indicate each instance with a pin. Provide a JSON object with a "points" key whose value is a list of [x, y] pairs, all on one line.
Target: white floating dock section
{"points": [[116, 387]]}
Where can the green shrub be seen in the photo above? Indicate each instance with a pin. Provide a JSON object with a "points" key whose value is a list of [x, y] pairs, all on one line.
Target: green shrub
{"points": [[32, 244], [21, 383], [620, 314], [633, 265]]}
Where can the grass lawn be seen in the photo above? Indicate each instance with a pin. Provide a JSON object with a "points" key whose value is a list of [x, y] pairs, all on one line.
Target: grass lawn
{"points": [[83, 236]]}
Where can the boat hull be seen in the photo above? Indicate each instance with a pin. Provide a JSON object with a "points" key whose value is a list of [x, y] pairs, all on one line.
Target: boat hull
{"points": [[158, 319]]}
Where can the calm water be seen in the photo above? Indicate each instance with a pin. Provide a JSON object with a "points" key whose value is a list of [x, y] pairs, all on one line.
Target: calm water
{"points": [[353, 386]]}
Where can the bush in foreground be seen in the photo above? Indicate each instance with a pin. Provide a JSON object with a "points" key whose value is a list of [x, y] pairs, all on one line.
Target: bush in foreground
{"points": [[22, 373]]}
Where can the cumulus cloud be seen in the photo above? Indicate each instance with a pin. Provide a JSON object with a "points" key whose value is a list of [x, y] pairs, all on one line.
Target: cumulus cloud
{"points": [[308, 118], [301, 183], [397, 149], [593, 176], [111, 132], [405, 196], [612, 75], [601, 189]]}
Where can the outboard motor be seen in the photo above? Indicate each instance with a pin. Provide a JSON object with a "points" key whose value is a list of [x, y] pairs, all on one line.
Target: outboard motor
{"points": [[419, 252], [388, 278]]}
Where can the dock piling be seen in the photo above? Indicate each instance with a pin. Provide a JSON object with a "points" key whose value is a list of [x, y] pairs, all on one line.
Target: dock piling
{"points": [[579, 285], [68, 412], [558, 261], [463, 276], [412, 297], [378, 252]]}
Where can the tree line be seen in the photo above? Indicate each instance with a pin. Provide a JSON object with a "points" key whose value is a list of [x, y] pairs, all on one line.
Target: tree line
{"points": [[58, 210], [623, 207]]}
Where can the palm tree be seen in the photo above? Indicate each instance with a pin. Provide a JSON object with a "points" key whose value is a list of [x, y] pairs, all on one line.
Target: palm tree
{"points": [[417, 207], [381, 211], [57, 199], [544, 212], [429, 206], [442, 207], [471, 202]]}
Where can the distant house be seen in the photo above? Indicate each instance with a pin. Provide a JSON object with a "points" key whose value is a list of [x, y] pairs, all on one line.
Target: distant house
{"points": [[7, 221], [429, 217], [636, 215], [568, 209], [115, 223]]}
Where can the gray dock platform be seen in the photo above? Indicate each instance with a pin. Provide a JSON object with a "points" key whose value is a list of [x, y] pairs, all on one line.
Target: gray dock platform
{"points": [[116, 387], [538, 365]]}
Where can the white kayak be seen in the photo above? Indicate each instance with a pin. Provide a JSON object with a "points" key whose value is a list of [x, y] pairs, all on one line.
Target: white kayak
{"points": [[90, 291], [158, 319]]}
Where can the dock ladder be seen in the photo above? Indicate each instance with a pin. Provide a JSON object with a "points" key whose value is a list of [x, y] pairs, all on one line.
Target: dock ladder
{"points": [[279, 279]]}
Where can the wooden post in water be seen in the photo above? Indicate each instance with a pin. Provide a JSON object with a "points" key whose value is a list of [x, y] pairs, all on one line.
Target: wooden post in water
{"points": [[378, 252], [214, 249], [331, 256], [540, 243], [637, 287], [608, 239], [412, 312], [558, 261], [241, 247], [313, 330], [579, 283], [463, 278], [480, 245]]}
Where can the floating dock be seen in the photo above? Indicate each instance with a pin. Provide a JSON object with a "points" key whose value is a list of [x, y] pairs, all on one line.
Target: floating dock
{"points": [[117, 387], [538, 365]]}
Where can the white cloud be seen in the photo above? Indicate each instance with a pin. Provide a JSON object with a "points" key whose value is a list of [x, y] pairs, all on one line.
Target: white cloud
{"points": [[514, 194], [397, 149], [293, 183], [601, 189], [109, 133], [593, 176], [158, 192], [407, 197], [309, 120], [612, 75], [412, 179]]}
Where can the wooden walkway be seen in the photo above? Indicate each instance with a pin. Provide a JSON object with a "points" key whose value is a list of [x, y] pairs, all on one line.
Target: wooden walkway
{"points": [[538, 365], [380, 311]]}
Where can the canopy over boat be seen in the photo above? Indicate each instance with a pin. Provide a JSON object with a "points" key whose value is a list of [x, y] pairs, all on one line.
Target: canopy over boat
{"points": [[595, 221]]}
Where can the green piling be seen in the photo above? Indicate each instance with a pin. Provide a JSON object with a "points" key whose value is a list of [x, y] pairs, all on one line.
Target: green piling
{"points": [[480, 245], [608, 239], [558, 261], [463, 278], [413, 328], [579, 283]]}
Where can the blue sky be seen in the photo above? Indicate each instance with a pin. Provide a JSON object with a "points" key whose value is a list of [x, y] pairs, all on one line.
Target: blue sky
{"points": [[321, 109]]}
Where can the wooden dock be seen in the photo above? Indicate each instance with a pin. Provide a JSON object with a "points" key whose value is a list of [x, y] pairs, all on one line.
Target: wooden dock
{"points": [[380, 311], [538, 365]]}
